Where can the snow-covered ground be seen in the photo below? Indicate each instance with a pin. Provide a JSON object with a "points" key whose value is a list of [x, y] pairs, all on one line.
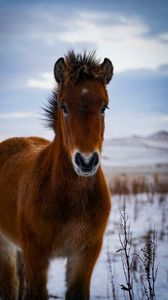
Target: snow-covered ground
{"points": [[148, 215], [145, 155]]}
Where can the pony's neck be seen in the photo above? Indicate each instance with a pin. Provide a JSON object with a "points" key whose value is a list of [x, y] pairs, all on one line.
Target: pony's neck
{"points": [[61, 157], [62, 165]]}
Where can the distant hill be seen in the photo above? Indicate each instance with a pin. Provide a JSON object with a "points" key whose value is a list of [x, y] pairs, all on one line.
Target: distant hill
{"points": [[160, 135], [137, 152]]}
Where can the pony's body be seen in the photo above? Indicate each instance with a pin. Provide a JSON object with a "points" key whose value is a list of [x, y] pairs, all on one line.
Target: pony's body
{"points": [[47, 209], [54, 198]]}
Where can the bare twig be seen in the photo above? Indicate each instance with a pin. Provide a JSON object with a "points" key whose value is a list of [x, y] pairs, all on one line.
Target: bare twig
{"points": [[125, 238], [54, 297], [150, 269]]}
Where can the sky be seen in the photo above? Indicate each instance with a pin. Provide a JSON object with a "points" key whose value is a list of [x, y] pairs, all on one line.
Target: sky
{"points": [[132, 33]]}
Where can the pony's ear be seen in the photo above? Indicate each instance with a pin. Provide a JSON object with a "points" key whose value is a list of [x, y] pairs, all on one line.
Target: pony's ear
{"points": [[59, 69], [107, 70]]}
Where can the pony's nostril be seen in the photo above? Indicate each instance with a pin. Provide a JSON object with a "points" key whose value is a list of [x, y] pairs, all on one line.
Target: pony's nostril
{"points": [[78, 159], [94, 160], [86, 163]]}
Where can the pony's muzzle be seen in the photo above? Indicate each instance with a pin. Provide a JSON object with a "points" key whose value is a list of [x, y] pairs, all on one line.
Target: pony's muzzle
{"points": [[86, 164]]}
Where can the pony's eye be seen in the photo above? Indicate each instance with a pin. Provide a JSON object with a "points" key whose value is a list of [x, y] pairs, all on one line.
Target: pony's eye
{"points": [[104, 108], [64, 109]]}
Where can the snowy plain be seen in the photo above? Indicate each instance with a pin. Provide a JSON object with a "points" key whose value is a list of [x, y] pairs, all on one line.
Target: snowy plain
{"points": [[149, 216], [149, 154], [125, 154]]}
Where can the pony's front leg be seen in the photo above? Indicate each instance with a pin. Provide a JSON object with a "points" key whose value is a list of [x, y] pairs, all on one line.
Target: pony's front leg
{"points": [[79, 271], [36, 267]]}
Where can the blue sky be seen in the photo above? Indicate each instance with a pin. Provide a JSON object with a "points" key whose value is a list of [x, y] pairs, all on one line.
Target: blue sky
{"points": [[133, 34]]}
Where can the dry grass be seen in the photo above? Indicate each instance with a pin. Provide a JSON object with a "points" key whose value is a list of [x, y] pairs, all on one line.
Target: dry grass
{"points": [[124, 185], [139, 268]]}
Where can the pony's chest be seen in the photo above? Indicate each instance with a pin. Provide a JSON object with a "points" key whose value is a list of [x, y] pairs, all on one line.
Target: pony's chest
{"points": [[74, 236], [80, 225]]}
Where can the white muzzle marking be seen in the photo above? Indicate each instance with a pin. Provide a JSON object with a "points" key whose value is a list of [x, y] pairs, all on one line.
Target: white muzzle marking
{"points": [[86, 164]]}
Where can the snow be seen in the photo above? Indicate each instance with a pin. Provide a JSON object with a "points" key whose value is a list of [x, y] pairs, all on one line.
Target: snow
{"points": [[146, 153], [149, 215]]}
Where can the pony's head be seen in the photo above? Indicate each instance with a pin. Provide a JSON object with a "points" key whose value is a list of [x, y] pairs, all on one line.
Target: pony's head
{"points": [[78, 108]]}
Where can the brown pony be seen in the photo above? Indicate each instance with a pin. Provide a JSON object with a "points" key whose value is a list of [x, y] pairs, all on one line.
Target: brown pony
{"points": [[54, 200]]}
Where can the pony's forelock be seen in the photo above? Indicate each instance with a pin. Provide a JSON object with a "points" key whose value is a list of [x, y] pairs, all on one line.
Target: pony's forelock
{"points": [[81, 66]]}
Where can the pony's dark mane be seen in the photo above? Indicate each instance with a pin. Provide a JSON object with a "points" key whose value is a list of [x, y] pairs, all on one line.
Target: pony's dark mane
{"points": [[78, 67], [50, 110]]}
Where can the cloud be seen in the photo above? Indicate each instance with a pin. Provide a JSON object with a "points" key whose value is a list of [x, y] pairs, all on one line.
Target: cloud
{"points": [[45, 81], [106, 26], [163, 37], [132, 35], [124, 37], [121, 38], [164, 118], [17, 115], [163, 69]]}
